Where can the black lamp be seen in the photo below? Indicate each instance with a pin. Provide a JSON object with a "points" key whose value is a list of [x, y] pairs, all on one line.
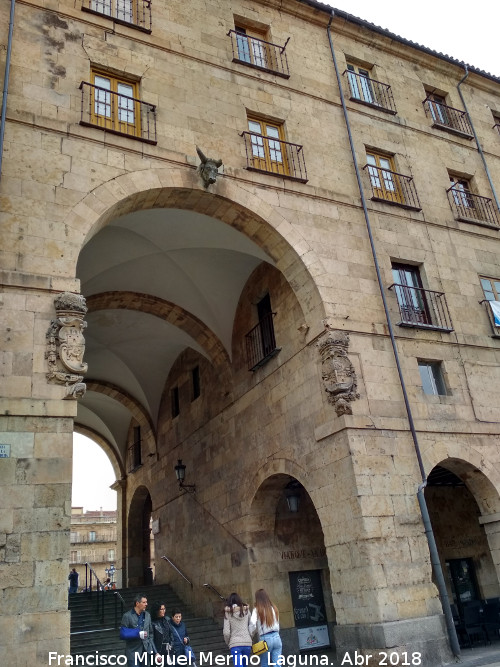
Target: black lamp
{"points": [[292, 495], [180, 473]]}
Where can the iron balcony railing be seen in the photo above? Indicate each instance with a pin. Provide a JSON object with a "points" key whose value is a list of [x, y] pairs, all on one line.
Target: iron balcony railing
{"points": [[448, 118], [393, 188], [134, 456], [261, 343], [422, 308], [275, 156], [472, 208], [136, 13], [259, 53], [117, 113], [370, 91], [81, 539]]}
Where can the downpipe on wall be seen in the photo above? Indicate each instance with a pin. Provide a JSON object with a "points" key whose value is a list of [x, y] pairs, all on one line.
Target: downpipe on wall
{"points": [[6, 81], [436, 563]]}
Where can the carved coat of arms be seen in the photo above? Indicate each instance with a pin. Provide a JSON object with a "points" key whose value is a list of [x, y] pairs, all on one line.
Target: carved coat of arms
{"points": [[337, 371]]}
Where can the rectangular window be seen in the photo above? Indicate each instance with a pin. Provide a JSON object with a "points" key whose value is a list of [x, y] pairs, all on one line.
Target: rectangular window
{"points": [[360, 84], [432, 377], [386, 183], [195, 382], [438, 109], [73, 557], [461, 192], [252, 47], [111, 554], [174, 396], [91, 535], [410, 294], [115, 105], [491, 289], [268, 152]]}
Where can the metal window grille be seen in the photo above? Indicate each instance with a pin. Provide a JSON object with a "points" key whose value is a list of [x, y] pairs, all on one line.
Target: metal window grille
{"points": [[261, 343], [259, 53], [136, 13], [422, 308]]}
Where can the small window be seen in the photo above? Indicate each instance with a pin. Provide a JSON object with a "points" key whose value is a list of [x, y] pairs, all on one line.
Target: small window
{"points": [[195, 382], [410, 294], [134, 13], [461, 192], [491, 289], [111, 554], [252, 46], [432, 377], [268, 152], [360, 84], [386, 183], [114, 104], [174, 395], [92, 536], [438, 109]]}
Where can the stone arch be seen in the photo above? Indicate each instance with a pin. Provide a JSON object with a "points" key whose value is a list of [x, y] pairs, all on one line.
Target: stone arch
{"points": [[171, 313], [231, 203], [137, 411], [481, 476]]}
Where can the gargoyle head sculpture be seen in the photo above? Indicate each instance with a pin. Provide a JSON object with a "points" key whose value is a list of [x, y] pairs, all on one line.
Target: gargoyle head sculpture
{"points": [[208, 168]]}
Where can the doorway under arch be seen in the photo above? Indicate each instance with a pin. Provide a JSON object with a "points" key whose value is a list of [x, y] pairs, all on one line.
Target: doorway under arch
{"points": [[139, 543]]}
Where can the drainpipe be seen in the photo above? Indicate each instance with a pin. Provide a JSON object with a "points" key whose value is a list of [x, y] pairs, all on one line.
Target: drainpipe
{"points": [[6, 81], [479, 147], [436, 563]]}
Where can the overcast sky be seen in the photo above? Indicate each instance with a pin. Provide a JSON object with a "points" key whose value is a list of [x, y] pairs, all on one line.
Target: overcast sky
{"points": [[463, 30], [467, 31]]}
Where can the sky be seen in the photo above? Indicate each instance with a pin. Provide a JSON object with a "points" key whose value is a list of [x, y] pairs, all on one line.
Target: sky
{"points": [[92, 476], [467, 31]]}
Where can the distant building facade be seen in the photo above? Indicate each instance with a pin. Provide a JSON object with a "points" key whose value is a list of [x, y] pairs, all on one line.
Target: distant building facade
{"points": [[93, 541]]}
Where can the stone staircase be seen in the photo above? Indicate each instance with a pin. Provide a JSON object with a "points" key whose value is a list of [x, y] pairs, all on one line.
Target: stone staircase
{"points": [[89, 633]]}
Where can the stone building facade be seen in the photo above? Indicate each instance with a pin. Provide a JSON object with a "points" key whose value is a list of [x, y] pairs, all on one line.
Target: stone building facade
{"points": [[93, 541], [231, 314]]}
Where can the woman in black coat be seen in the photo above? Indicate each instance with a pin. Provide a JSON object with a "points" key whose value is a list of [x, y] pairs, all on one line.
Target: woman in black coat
{"points": [[162, 632]]}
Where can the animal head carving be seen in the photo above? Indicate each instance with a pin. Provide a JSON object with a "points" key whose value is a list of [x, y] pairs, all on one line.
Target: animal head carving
{"points": [[208, 168]]}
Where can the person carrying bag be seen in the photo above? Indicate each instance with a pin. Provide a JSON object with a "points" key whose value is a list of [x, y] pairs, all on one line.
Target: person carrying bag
{"points": [[265, 621]]}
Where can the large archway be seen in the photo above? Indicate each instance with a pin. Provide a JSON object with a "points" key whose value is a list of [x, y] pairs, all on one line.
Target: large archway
{"points": [[466, 543]]}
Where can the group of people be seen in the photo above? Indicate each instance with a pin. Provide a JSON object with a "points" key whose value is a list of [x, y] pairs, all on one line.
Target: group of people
{"points": [[242, 628], [165, 639]]}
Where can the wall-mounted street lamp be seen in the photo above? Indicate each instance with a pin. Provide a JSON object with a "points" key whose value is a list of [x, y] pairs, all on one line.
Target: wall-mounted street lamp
{"points": [[292, 495], [180, 473]]}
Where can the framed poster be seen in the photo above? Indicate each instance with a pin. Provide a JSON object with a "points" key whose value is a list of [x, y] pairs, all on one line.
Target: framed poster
{"points": [[314, 637]]}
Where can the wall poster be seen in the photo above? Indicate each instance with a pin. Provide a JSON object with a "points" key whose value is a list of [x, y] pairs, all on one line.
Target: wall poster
{"points": [[309, 609]]}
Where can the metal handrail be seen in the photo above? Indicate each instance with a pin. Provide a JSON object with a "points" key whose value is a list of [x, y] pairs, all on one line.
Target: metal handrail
{"points": [[177, 570], [118, 598], [214, 590], [99, 590]]}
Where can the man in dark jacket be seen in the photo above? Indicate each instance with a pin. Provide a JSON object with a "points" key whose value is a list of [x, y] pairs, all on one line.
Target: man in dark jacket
{"points": [[137, 630]]}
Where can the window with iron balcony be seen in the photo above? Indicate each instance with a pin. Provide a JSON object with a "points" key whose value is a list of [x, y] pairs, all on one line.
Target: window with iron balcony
{"points": [[251, 46], [133, 13], [261, 341], [445, 117], [470, 207], [388, 185], [363, 88], [418, 307], [111, 103], [267, 151]]}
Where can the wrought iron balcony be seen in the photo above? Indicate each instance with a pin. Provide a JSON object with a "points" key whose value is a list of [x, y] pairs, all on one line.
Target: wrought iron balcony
{"points": [[447, 118], [135, 13], [274, 156], [393, 188], [371, 92], [85, 539], [422, 308], [468, 207], [261, 343], [259, 53], [117, 113]]}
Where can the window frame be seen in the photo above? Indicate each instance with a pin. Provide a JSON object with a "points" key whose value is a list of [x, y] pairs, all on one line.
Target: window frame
{"points": [[263, 158], [434, 378], [365, 90], [249, 39], [113, 121], [412, 299], [385, 181]]}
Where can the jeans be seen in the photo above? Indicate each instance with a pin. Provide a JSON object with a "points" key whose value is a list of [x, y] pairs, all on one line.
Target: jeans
{"points": [[241, 655], [273, 640]]}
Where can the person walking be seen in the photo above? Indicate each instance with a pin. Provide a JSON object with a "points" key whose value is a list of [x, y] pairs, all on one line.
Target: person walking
{"points": [[236, 630], [180, 638], [73, 581], [162, 632], [265, 620], [137, 630]]}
